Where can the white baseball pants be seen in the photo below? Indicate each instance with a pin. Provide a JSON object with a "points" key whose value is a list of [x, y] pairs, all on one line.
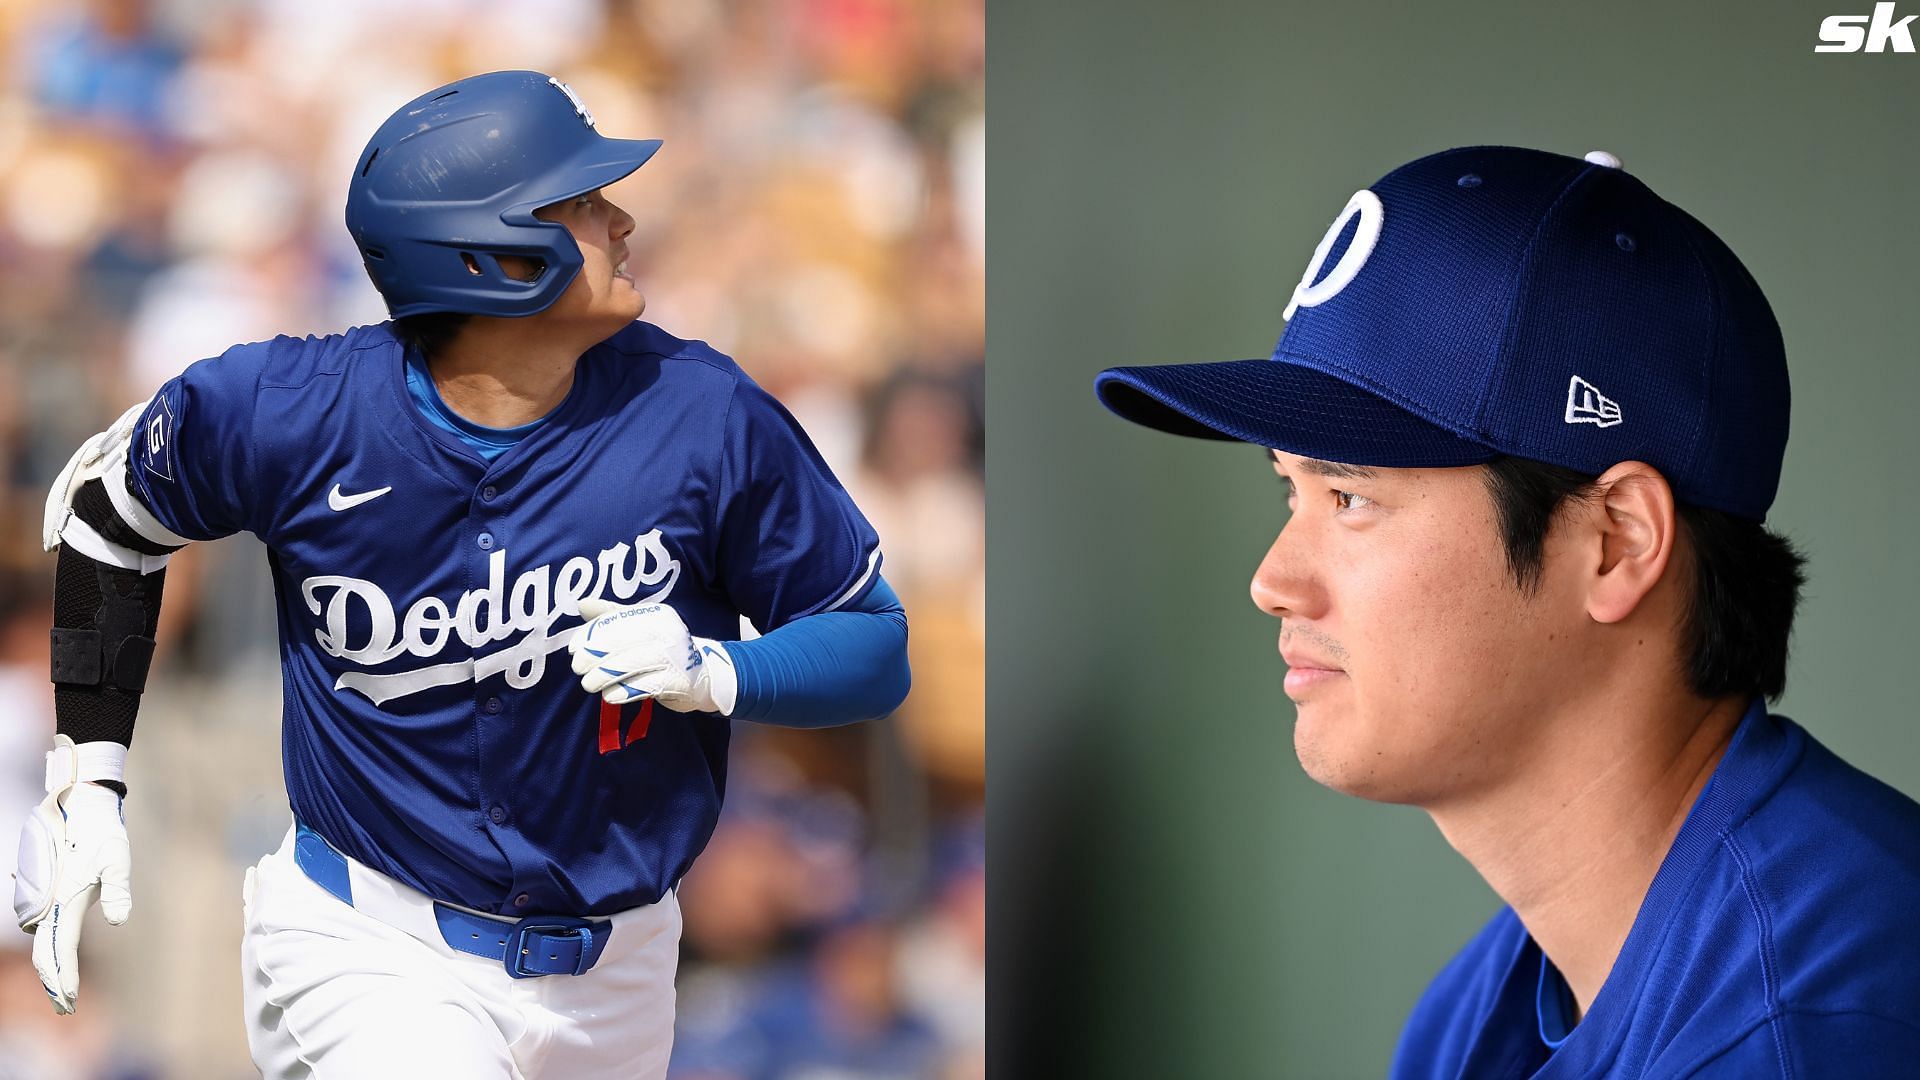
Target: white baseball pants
{"points": [[372, 991]]}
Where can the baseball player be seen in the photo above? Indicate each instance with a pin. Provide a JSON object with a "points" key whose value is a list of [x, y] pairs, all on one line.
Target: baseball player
{"points": [[1530, 418], [513, 533]]}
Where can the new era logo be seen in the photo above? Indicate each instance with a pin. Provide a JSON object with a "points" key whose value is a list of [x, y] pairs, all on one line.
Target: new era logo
{"points": [[1587, 405]]}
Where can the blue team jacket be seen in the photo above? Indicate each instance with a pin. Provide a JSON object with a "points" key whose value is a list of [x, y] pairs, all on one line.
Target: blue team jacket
{"points": [[1780, 938]]}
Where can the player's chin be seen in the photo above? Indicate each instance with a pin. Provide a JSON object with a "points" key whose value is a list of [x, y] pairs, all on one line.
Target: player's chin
{"points": [[1341, 772], [623, 294], [1327, 742], [1351, 765]]}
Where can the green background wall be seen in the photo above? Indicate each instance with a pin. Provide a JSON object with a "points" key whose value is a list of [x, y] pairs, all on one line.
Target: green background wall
{"points": [[1172, 897]]}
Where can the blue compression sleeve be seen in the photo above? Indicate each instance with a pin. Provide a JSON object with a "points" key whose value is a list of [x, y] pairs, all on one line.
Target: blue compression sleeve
{"points": [[832, 668]]}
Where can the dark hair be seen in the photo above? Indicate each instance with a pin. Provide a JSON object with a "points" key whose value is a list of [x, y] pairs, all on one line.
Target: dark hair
{"points": [[1746, 579], [429, 333]]}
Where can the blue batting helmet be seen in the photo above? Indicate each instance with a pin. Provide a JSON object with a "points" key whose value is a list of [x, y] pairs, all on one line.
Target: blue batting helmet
{"points": [[452, 179]]}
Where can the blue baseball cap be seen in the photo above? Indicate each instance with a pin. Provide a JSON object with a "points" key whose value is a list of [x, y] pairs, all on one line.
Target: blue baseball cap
{"points": [[1494, 301]]}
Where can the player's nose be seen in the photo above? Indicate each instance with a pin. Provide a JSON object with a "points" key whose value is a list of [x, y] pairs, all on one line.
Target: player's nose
{"points": [[1282, 586], [622, 223]]}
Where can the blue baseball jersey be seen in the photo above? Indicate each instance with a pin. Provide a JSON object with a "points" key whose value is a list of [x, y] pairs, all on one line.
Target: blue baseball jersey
{"points": [[433, 728], [1777, 940]]}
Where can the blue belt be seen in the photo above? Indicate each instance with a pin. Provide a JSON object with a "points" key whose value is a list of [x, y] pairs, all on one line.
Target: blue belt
{"points": [[531, 947]]}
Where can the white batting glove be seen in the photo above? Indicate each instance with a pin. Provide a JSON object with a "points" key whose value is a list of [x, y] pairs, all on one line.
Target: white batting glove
{"points": [[73, 851], [628, 653]]}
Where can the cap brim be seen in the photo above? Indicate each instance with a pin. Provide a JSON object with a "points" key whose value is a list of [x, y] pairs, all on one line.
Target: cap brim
{"points": [[609, 160], [1286, 407], [602, 162]]}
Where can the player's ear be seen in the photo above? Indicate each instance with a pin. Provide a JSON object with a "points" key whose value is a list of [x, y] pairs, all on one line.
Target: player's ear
{"points": [[1637, 526]]}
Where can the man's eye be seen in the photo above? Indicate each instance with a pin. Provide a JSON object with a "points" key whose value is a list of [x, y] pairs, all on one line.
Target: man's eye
{"points": [[1347, 500]]}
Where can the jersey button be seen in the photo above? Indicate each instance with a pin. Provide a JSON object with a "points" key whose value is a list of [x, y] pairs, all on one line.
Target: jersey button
{"points": [[485, 541], [522, 900], [497, 815], [493, 705], [489, 492]]}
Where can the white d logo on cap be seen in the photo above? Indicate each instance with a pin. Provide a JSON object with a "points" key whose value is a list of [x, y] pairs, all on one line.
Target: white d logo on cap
{"points": [[1310, 293]]}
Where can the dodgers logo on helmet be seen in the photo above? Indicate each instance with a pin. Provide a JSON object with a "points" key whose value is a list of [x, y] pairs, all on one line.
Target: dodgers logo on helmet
{"points": [[578, 105]]}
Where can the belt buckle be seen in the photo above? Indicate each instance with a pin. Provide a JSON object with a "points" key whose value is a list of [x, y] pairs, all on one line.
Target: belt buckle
{"points": [[580, 930]]}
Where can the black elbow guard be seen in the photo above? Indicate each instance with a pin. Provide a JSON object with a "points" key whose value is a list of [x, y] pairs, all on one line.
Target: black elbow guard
{"points": [[94, 506], [104, 619]]}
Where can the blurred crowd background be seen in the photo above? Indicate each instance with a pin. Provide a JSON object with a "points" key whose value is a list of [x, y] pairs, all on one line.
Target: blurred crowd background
{"points": [[172, 174]]}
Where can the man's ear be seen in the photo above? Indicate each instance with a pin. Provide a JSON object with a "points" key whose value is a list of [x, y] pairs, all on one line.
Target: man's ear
{"points": [[1638, 525]]}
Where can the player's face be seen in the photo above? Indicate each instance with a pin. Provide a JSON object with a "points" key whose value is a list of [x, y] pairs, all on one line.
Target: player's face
{"points": [[1414, 659], [603, 290]]}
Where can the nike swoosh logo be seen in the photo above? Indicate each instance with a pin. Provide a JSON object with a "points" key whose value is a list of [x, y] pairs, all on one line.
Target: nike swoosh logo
{"points": [[340, 502], [717, 654]]}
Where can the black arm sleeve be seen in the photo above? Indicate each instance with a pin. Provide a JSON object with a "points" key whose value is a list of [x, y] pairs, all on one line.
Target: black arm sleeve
{"points": [[103, 624]]}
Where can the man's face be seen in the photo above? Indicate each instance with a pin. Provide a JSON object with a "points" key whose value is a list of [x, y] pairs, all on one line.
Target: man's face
{"points": [[1416, 662], [603, 291]]}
